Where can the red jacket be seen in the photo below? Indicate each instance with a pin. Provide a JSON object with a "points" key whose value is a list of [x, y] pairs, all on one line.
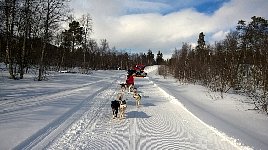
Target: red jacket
{"points": [[130, 80]]}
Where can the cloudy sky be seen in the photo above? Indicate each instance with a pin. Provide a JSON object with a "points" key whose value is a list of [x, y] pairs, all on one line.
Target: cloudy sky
{"points": [[139, 25]]}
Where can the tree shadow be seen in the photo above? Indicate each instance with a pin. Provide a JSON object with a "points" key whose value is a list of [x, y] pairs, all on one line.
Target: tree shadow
{"points": [[137, 114]]}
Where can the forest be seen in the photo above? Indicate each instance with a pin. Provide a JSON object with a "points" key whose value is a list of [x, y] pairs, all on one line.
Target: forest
{"points": [[32, 36], [239, 63]]}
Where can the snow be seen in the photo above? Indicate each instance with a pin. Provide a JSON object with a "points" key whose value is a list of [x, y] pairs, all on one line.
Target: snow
{"points": [[72, 111]]}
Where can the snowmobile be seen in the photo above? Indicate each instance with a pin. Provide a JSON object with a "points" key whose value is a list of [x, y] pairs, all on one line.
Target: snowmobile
{"points": [[139, 70]]}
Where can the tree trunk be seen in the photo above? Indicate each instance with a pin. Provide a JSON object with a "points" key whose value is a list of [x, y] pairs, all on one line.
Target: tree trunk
{"points": [[62, 58], [9, 62], [8, 38], [41, 65], [22, 64]]}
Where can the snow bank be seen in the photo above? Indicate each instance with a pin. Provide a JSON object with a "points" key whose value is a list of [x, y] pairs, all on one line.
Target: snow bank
{"points": [[149, 69]]}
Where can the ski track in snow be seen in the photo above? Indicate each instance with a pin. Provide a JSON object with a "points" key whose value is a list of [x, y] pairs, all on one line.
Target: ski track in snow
{"points": [[11, 105], [158, 124], [76, 137], [43, 137]]}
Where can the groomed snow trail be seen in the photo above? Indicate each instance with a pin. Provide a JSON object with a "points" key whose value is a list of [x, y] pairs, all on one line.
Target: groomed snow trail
{"points": [[34, 121], [157, 124], [44, 136]]}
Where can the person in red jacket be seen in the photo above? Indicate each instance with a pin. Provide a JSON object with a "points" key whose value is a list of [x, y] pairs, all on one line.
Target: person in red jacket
{"points": [[130, 82]]}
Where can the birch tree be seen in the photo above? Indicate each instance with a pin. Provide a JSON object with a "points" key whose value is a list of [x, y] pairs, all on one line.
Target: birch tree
{"points": [[52, 12], [86, 22], [9, 14]]}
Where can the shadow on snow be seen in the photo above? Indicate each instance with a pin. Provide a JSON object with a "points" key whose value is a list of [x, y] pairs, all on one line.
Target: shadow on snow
{"points": [[137, 114]]}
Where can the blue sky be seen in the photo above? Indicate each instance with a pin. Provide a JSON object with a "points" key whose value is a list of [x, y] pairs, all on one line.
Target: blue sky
{"points": [[139, 25], [210, 6], [169, 6]]}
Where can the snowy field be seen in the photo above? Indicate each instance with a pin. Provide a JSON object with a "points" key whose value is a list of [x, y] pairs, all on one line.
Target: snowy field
{"points": [[72, 111]]}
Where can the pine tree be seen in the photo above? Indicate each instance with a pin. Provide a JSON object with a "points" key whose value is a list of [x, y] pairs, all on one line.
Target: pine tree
{"points": [[159, 58]]}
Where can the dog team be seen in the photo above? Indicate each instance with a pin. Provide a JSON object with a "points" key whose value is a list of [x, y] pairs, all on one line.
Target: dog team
{"points": [[120, 102]]}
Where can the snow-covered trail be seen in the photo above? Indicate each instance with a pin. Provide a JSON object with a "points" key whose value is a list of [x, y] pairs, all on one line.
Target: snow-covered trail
{"points": [[30, 121], [158, 124], [73, 112], [230, 115]]}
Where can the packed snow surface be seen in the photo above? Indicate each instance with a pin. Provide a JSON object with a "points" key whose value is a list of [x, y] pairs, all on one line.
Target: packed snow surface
{"points": [[73, 111]]}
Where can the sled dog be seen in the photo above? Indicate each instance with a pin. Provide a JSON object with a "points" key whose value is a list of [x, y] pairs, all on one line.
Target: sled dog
{"points": [[122, 105], [130, 88], [137, 97], [115, 105], [123, 87]]}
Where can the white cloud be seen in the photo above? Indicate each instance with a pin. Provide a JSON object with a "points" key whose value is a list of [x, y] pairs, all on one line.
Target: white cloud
{"points": [[165, 32], [218, 36]]}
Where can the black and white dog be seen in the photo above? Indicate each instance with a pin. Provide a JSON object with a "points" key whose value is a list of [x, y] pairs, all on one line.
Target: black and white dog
{"points": [[120, 104], [115, 105]]}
